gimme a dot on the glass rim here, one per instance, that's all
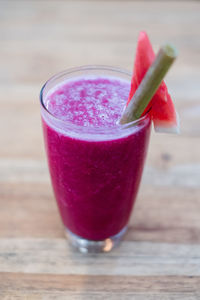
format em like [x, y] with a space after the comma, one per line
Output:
[100, 130]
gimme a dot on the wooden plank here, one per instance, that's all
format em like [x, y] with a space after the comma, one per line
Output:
[162, 212]
[164, 167]
[28, 210]
[31, 135]
[109, 42]
[94, 296]
[54, 256]
[35, 286]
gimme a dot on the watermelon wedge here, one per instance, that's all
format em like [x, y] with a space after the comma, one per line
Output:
[161, 107]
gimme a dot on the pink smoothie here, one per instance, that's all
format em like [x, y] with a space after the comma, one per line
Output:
[95, 164]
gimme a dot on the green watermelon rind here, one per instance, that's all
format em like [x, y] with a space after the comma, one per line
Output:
[165, 127]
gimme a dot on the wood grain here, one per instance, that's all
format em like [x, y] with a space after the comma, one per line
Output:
[160, 255]
[37, 286]
[54, 256]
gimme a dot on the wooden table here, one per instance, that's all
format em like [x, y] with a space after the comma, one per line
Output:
[160, 256]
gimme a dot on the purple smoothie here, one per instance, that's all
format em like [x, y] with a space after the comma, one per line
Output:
[95, 164]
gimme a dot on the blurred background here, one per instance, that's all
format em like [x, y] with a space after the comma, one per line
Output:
[41, 38]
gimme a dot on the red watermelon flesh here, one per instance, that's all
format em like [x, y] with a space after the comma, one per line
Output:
[162, 111]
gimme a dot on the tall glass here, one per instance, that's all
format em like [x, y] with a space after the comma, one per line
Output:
[95, 172]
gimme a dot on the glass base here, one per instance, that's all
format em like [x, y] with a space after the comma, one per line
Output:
[89, 246]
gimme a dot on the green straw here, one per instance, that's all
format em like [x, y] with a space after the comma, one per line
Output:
[150, 83]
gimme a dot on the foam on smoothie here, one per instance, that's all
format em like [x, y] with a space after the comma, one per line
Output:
[89, 101]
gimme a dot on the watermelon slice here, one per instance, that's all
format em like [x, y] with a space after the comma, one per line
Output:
[161, 107]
